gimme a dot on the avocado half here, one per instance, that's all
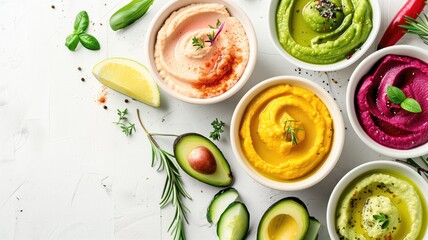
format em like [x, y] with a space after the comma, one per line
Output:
[286, 219]
[183, 147]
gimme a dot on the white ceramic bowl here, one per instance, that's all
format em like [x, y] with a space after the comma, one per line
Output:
[157, 23]
[362, 69]
[338, 136]
[342, 185]
[273, 5]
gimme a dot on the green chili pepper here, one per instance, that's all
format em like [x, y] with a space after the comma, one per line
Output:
[129, 13]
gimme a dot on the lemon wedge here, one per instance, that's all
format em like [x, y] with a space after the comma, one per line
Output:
[128, 77]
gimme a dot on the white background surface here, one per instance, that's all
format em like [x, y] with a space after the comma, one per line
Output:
[67, 172]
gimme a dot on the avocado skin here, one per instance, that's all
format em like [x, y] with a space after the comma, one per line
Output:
[223, 168]
[295, 199]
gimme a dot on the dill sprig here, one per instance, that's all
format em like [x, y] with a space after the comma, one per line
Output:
[173, 191]
[290, 131]
[420, 28]
[123, 122]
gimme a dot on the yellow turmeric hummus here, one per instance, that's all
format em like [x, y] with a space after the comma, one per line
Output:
[286, 132]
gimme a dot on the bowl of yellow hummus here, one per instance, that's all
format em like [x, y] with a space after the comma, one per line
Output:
[387, 102]
[201, 51]
[379, 200]
[323, 35]
[287, 133]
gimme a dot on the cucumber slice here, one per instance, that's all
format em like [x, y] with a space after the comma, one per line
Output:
[286, 219]
[220, 202]
[313, 229]
[234, 222]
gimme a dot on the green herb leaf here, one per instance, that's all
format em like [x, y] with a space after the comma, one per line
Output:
[420, 27]
[395, 94]
[127, 127]
[217, 25]
[218, 129]
[71, 41]
[89, 41]
[383, 219]
[211, 36]
[81, 22]
[411, 105]
[173, 192]
[290, 131]
[199, 43]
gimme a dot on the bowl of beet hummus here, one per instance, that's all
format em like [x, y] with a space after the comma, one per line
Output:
[387, 101]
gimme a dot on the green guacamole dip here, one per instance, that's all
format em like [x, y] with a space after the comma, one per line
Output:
[323, 31]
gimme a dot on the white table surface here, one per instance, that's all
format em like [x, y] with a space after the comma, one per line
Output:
[67, 172]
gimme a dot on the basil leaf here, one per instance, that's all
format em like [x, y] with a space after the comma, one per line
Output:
[411, 105]
[89, 41]
[81, 23]
[71, 41]
[395, 94]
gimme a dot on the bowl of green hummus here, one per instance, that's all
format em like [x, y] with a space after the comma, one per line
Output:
[379, 200]
[323, 35]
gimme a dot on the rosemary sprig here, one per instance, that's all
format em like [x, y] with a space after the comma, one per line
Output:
[218, 129]
[173, 191]
[383, 219]
[123, 122]
[419, 169]
[420, 28]
[290, 131]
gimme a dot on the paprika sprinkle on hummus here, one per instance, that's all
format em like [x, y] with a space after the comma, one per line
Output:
[201, 51]
[286, 132]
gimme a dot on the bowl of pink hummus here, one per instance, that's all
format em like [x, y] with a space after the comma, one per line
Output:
[201, 51]
[387, 101]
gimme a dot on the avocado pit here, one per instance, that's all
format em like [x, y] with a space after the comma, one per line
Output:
[202, 160]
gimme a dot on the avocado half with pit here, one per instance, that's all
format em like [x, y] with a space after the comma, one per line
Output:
[202, 159]
[286, 219]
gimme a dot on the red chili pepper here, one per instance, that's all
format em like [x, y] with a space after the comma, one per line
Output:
[393, 33]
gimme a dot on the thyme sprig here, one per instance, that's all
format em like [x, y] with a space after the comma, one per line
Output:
[290, 131]
[420, 27]
[173, 191]
[123, 122]
[383, 219]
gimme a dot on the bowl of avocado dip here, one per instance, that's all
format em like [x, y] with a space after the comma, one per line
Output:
[323, 35]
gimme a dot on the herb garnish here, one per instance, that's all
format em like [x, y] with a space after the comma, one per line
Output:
[383, 219]
[123, 122]
[199, 43]
[417, 27]
[290, 131]
[218, 129]
[419, 169]
[217, 25]
[81, 23]
[397, 96]
[173, 190]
